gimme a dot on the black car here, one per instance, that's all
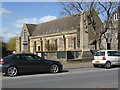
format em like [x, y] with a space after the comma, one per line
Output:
[15, 64]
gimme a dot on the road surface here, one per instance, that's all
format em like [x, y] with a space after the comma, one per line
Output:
[73, 78]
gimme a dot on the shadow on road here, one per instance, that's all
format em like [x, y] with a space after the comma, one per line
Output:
[114, 66]
[36, 73]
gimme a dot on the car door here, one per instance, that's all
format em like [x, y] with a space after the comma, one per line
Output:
[113, 57]
[41, 64]
[20, 62]
[118, 54]
[35, 64]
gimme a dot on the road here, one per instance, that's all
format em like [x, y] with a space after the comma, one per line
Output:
[74, 78]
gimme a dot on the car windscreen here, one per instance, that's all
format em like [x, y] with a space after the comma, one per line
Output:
[113, 53]
[100, 54]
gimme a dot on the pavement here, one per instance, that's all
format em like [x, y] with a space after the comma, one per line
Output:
[75, 65]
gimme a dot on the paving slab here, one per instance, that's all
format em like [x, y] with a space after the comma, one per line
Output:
[75, 65]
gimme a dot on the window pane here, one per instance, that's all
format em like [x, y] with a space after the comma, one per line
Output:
[100, 54]
[37, 57]
[70, 42]
[29, 57]
[113, 53]
[61, 55]
[17, 57]
[116, 16]
[61, 43]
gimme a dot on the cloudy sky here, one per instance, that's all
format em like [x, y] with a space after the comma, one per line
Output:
[15, 14]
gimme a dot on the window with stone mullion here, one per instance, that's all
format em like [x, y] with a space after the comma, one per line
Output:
[70, 42]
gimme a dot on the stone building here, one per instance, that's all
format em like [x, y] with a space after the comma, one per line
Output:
[70, 37]
[111, 38]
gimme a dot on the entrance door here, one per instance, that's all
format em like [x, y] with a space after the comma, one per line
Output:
[108, 46]
[34, 47]
[25, 47]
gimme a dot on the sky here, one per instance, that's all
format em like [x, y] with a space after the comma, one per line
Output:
[15, 14]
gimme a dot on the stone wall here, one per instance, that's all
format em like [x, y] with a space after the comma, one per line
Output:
[45, 42]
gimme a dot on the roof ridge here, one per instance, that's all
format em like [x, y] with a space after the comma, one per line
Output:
[31, 24]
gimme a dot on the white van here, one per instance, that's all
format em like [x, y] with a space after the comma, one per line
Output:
[106, 58]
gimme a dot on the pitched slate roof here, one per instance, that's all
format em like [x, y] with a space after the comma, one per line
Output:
[65, 23]
[31, 28]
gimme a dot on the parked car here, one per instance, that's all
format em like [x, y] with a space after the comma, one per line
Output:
[15, 64]
[106, 58]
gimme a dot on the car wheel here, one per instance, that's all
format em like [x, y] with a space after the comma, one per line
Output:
[54, 68]
[12, 71]
[107, 65]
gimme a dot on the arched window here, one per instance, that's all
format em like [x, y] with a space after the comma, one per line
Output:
[70, 42]
[116, 16]
[61, 43]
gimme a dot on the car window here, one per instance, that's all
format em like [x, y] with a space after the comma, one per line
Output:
[100, 54]
[113, 53]
[8, 57]
[29, 57]
[37, 57]
[17, 57]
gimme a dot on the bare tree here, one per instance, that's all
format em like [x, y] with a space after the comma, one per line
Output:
[108, 8]
[103, 9]
[70, 8]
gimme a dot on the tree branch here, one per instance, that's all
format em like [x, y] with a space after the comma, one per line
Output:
[65, 8]
[80, 6]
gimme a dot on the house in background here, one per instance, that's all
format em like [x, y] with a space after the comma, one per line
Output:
[67, 38]
[111, 38]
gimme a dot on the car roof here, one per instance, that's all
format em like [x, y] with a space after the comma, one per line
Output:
[24, 53]
[11, 55]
